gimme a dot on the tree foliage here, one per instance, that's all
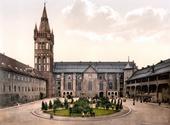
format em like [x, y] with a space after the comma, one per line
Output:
[50, 104]
[82, 105]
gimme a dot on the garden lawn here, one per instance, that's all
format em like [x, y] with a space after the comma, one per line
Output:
[98, 112]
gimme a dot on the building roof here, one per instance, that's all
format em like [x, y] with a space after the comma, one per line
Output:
[12, 65]
[100, 67]
[159, 68]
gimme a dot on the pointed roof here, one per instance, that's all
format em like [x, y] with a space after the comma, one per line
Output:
[90, 69]
[44, 12]
[44, 25]
[128, 66]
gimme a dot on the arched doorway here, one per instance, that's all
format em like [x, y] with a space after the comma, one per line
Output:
[101, 94]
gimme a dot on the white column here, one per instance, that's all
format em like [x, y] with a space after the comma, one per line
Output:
[74, 84]
[62, 83]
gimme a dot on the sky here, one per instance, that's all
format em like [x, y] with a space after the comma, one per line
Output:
[89, 30]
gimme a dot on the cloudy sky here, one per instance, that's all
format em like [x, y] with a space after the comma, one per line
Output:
[89, 30]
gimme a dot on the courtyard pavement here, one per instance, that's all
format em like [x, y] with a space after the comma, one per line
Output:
[142, 114]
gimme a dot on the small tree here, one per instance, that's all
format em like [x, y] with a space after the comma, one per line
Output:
[121, 106]
[66, 103]
[50, 105]
[42, 105]
[46, 106]
[114, 102]
[57, 104]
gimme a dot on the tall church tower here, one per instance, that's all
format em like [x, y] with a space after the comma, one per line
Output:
[43, 51]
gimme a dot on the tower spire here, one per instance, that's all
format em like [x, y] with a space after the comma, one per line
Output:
[128, 59]
[44, 25]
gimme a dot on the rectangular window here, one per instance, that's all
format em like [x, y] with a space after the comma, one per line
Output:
[110, 85]
[9, 75]
[9, 88]
[90, 86]
[3, 88]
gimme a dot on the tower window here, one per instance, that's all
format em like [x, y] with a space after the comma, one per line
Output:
[36, 45]
[48, 59]
[47, 46]
[44, 60]
[35, 59]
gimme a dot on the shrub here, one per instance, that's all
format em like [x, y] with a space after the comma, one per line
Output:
[82, 105]
[45, 106]
[42, 105]
[66, 103]
[50, 105]
[57, 104]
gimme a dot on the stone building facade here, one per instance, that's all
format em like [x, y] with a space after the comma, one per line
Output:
[90, 78]
[151, 82]
[19, 83]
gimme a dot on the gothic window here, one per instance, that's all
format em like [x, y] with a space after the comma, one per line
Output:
[48, 68]
[44, 60]
[40, 46]
[44, 67]
[70, 86]
[101, 86]
[15, 88]
[47, 45]
[90, 86]
[35, 60]
[36, 45]
[9, 88]
[48, 59]
[110, 85]
[39, 60]
[43, 46]
[3, 88]
[19, 88]
[39, 67]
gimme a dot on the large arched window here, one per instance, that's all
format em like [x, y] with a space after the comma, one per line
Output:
[90, 86]
[79, 85]
[101, 86]
[70, 86]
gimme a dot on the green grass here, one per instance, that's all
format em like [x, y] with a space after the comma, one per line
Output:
[98, 112]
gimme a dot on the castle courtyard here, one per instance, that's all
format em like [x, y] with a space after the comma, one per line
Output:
[141, 114]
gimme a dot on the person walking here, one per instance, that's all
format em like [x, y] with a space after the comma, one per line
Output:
[51, 115]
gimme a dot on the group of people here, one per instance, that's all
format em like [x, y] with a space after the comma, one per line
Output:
[91, 114]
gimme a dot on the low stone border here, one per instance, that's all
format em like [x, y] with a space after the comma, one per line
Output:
[124, 112]
[24, 104]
